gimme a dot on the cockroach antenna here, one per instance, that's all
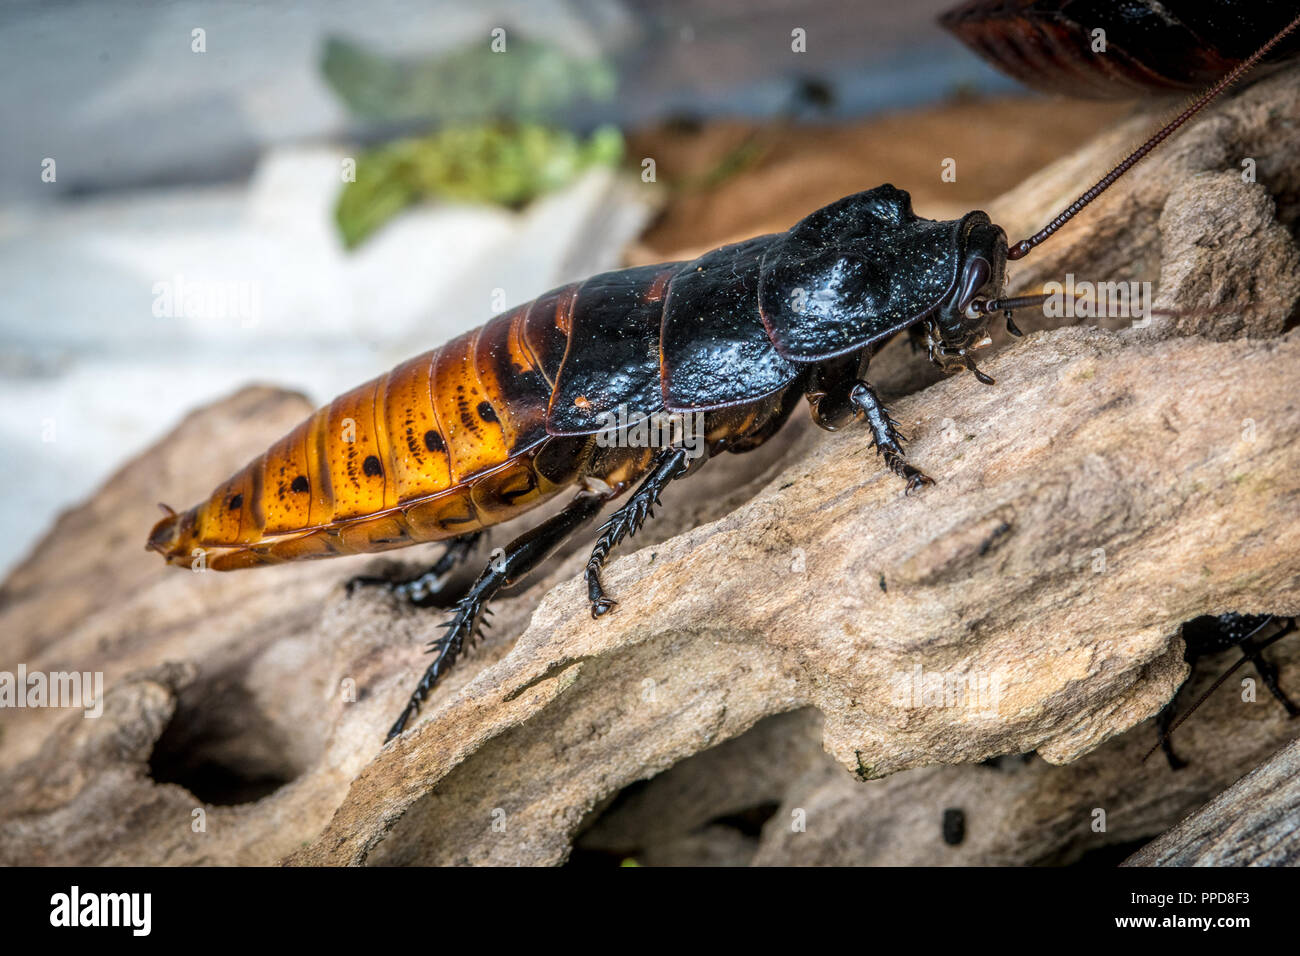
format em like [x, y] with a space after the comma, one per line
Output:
[1006, 307]
[1022, 248]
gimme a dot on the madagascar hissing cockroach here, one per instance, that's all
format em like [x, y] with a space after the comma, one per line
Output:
[1208, 635]
[551, 394]
[1115, 49]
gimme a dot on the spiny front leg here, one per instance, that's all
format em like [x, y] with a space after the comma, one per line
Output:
[885, 432]
[669, 464]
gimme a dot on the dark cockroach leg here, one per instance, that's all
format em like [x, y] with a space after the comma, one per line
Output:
[426, 588]
[885, 432]
[835, 393]
[828, 390]
[1209, 635]
[520, 557]
[1268, 670]
[1165, 720]
[669, 464]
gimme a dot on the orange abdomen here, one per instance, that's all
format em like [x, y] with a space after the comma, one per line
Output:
[446, 443]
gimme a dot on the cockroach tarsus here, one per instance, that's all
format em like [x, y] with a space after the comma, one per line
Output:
[425, 588]
[507, 416]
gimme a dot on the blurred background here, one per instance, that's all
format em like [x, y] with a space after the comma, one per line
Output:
[196, 196]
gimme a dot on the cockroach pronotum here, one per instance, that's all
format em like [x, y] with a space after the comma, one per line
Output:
[1120, 48]
[506, 416]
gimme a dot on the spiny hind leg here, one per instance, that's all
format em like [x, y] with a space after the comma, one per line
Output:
[519, 557]
[889, 442]
[427, 588]
[669, 464]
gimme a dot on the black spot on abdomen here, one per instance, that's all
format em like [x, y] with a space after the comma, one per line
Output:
[299, 484]
[433, 441]
[236, 502]
[487, 412]
[372, 467]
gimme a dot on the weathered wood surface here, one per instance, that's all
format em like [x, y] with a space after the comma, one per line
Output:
[1111, 486]
[1255, 822]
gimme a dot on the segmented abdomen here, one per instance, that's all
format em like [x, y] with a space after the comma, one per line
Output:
[1120, 48]
[444, 444]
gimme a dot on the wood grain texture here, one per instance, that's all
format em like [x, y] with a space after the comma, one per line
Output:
[1255, 822]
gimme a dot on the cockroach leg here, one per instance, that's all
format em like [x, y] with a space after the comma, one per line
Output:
[1205, 636]
[828, 390]
[521, 556]
[1268, 671]
[428, 587]
[1164, 720]
[669, 464]
[885, 432]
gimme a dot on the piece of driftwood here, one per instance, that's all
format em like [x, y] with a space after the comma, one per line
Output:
[1113, 485]
[1255, 822]
[772, 796]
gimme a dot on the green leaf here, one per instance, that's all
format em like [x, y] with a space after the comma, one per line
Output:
[504, 164]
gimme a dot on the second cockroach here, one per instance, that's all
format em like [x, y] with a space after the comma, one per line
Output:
[543, 398]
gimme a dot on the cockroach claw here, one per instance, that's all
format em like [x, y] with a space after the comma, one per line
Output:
[916, 479]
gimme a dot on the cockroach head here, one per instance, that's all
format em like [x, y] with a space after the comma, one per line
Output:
[960, 323]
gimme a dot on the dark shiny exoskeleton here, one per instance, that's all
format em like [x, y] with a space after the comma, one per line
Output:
[734, 339]
[1150, 46]
[1206, 636]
